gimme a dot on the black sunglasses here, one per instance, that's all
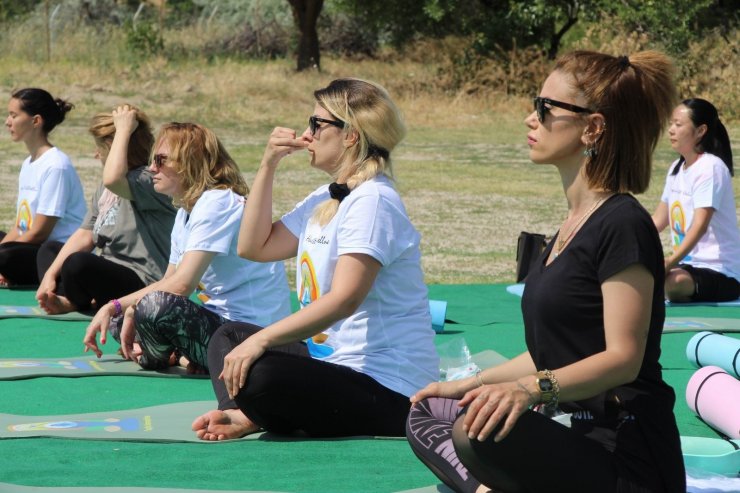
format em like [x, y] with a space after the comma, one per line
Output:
[541, 109]
[313, 123]
[160, 160]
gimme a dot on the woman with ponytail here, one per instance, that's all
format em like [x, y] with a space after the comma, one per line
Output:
[362, 342]
[51, 203]
[698, 204]
[593, 311]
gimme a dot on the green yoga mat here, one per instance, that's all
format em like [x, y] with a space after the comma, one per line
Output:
[165, 423]
[694, 324]
[10, 311]
[14, 488]
[85, 366]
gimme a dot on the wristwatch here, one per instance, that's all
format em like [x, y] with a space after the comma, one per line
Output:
[546, 387]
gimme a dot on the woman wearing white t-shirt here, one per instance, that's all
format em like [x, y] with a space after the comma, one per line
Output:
[51, 203]
[364, 310]
[698, 204]
[160, 322]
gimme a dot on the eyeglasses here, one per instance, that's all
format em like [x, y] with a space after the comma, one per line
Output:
[542, 110]
[160, 160]
[313, 123]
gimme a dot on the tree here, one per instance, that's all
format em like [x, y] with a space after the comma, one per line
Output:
[305, 15]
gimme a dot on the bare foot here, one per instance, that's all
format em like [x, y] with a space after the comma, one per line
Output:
[192, 368]
[55, 304]
[223, 425]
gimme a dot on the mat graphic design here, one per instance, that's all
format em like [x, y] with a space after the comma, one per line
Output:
[699, 324]
[11, 311]
[86, 366]
[164, 423]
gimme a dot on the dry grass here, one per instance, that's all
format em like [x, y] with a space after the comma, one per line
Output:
[463, 170]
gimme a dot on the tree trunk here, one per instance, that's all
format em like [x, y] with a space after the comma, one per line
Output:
[306, 14]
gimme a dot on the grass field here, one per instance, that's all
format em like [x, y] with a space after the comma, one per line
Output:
[463, 169]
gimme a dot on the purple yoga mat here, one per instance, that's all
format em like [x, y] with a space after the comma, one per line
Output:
[714, 395]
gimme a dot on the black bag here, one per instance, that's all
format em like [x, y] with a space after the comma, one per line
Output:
[529, 246]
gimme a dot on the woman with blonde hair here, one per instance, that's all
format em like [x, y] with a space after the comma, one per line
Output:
[593, 311]
[191, 165]
[128, 222]
[364, 310]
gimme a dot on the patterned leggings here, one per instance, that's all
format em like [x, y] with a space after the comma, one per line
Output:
[166, 322]
[537, 455]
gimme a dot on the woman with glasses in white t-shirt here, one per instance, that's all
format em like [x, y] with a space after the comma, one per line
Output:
[362, 343]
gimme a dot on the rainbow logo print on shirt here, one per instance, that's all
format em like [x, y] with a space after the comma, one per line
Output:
[24, 218]
[678, 224]
[308, 292]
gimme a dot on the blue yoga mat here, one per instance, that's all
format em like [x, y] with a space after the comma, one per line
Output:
[438, 310]
[710, 349]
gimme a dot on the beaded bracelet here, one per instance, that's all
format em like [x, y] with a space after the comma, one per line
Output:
[117, 306]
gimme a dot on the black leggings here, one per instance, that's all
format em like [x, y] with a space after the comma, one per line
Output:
[288, 391]
[537, 455]
[18, 262]
[86, 276]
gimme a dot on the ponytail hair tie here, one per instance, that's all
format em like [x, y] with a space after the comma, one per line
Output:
[338, 191]
[624, 62]
[375, 151]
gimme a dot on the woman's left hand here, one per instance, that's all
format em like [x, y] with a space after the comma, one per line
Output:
[237, 364]
[491, 404]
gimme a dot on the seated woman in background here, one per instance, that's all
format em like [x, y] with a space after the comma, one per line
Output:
[128, 221]
[698, 203]
[51, 203]
[364, 308]
[191, 165]
[593, 311]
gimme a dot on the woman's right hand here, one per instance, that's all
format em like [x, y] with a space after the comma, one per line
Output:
[455, 389]
[283, 141]
[124, 119]
[99, 323]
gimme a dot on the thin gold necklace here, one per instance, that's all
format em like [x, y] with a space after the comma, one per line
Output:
[564, 239]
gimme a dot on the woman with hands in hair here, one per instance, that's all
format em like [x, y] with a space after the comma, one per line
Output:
[128, 221]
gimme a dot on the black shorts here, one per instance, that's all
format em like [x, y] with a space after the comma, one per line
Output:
[710, 285]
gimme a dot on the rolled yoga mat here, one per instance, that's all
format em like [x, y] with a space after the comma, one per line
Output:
[10, 311]
[733, 303]
[712, 454]
[708, 348]
[714, 395]
[85, 366]
[165, 423]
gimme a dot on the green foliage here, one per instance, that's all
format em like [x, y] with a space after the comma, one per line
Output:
[143, 38]
[11, 9]
[672, 23]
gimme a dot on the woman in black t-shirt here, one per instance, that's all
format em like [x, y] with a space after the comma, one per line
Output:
[593, 311]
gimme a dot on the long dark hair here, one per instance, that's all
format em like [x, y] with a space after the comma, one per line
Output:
[715, 140]
[36, 101]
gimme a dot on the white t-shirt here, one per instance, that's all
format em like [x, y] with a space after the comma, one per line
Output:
[50, 186]
[235, 288]
[706, 183]
[390, 336]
